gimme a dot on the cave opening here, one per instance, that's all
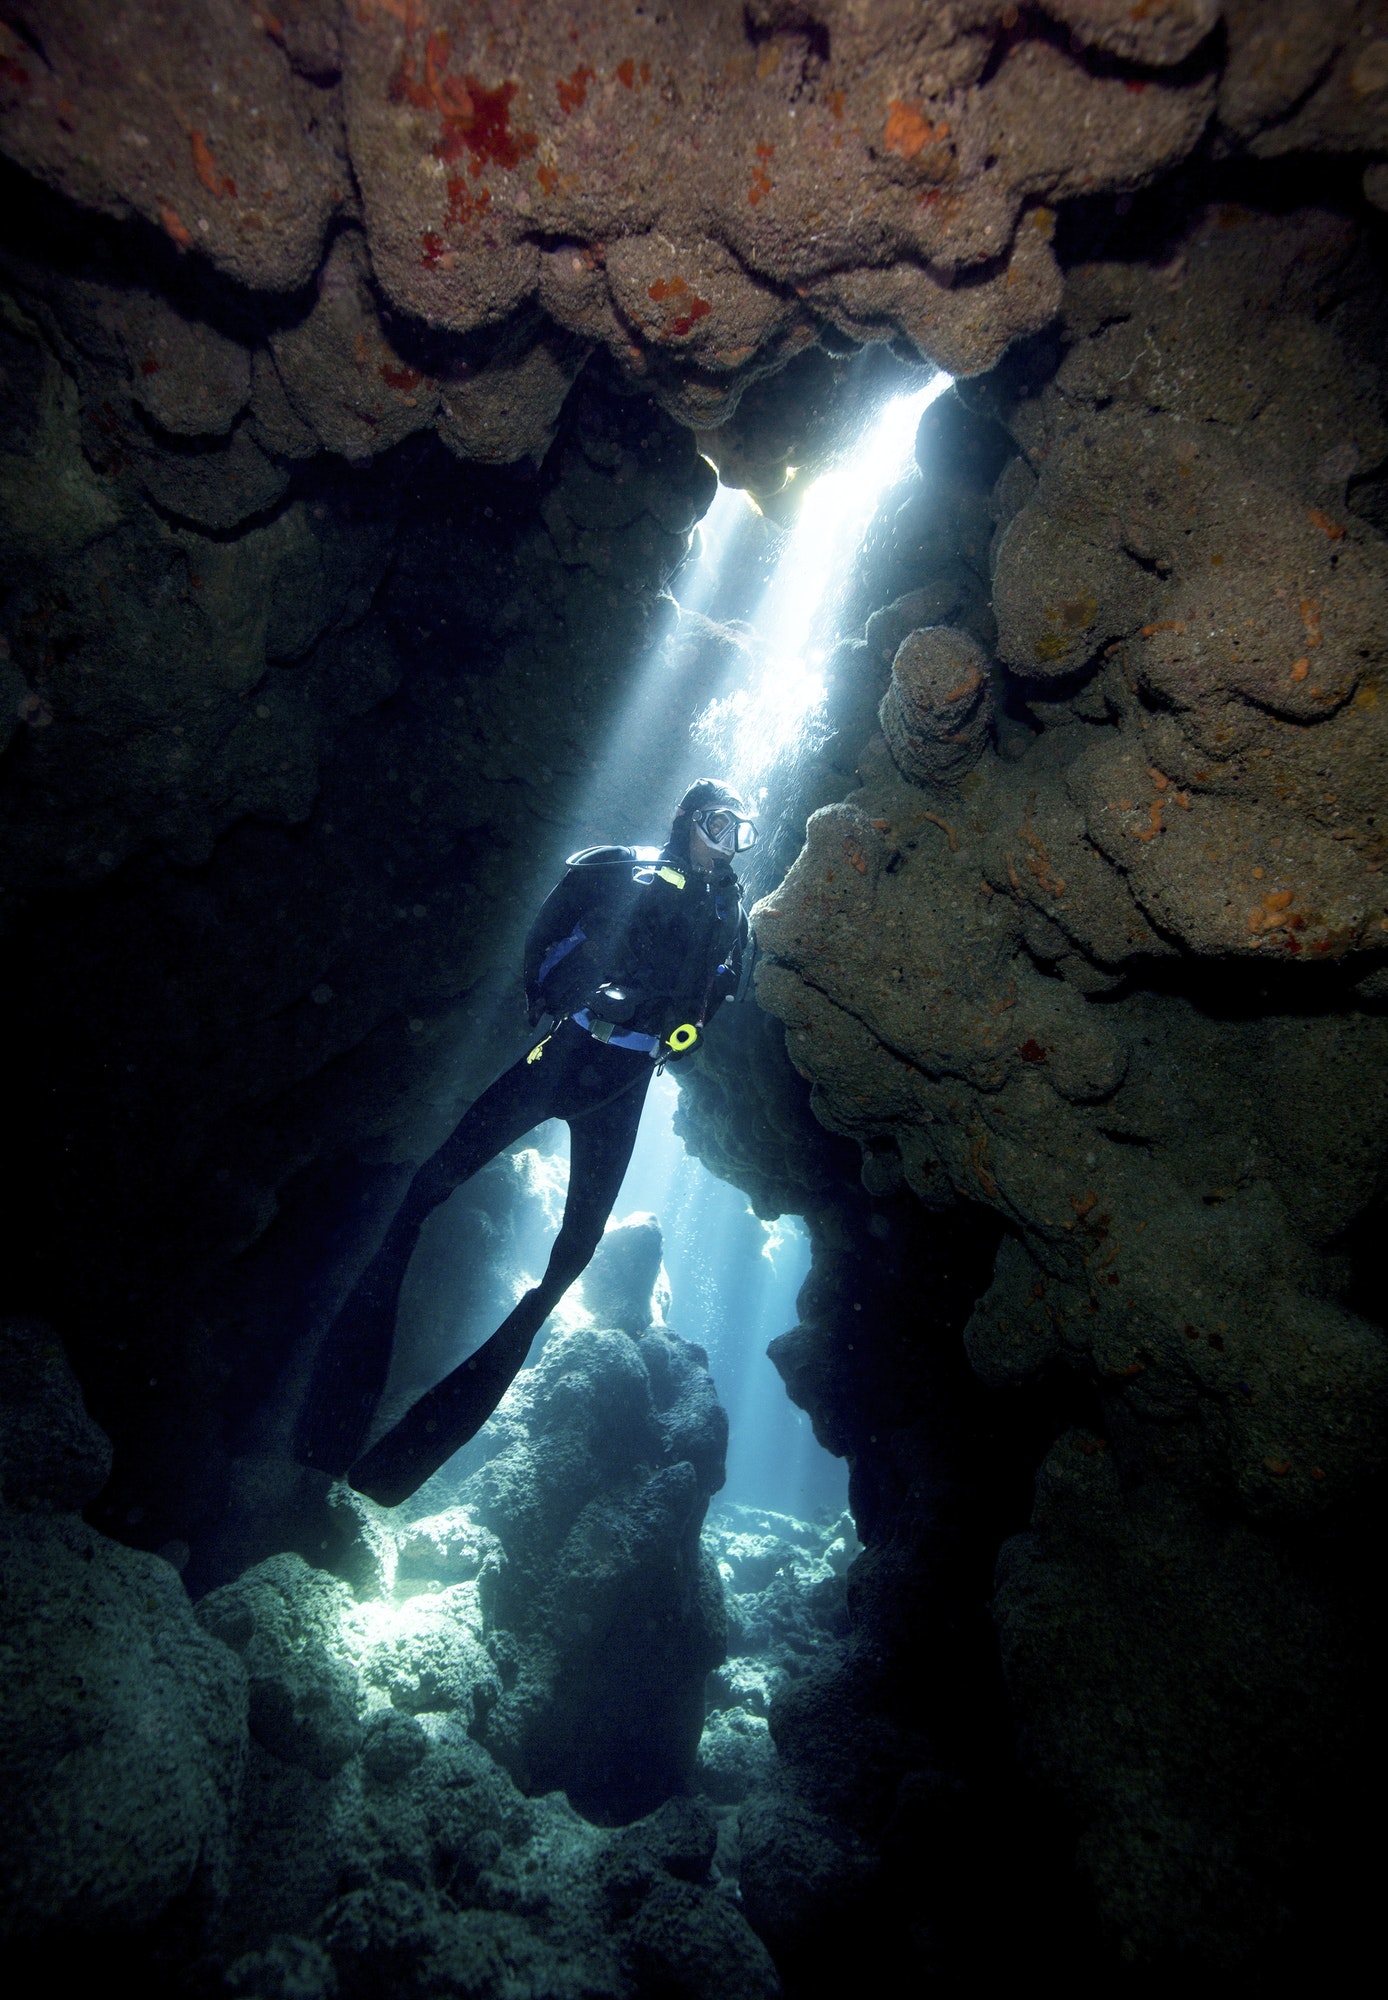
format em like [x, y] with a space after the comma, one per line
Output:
[767, 608]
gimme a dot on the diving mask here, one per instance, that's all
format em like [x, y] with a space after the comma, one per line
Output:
[724, 830]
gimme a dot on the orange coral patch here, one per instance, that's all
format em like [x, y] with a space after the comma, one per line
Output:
[175, 226]
[908, 131]
[464, 207]
[475, 119]
[205, 166]
[573, 90]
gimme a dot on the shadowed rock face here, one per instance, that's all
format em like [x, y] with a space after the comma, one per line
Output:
[123, 1723]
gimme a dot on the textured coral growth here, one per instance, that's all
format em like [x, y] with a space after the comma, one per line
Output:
[573, 90]
[475, 119]
[208, 172]
[692, 312]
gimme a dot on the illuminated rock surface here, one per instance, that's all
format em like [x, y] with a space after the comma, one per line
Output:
[1003, 984]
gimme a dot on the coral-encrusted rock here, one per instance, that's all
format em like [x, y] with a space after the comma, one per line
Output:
[122, 1723]
[124, 1733]
[494, 161]
[619, 1285]
[192, 379]
[132, 114]
[609, 1614]
[506, 405]
[431, 1873]
[217, 489]
[1188, 570]
[937, 713]
[792, 167]
[1163, 34]
[285, 1620]
[802, 1878]
[446, 1548]
[340, 373]
[1193, 535]
[736, 1755]
[427, 1655]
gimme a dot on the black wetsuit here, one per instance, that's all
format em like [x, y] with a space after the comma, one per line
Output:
[670, 941]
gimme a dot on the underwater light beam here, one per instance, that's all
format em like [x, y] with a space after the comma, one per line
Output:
[755, 727]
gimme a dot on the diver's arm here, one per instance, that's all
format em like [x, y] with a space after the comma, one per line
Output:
[559, 917]
[729, 980]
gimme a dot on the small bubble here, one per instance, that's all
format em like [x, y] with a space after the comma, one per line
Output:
[321, 995]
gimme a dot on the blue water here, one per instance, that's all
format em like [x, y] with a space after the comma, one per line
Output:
[733, 1285]
[733, 1281]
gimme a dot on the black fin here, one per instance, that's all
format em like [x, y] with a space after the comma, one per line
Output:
[453, 1411]
[348, 1377]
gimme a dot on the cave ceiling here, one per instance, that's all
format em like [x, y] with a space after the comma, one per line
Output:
[482, 195]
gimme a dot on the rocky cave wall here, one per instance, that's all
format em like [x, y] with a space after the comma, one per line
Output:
[1097, 946]
[355, 360]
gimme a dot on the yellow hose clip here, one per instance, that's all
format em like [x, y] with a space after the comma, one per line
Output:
[680, 1040]
[539, 1049]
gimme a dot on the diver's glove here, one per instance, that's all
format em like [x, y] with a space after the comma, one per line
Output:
[681, 1041]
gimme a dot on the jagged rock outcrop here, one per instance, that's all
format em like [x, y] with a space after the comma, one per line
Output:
[609, 1618]
[783, 1584]
[432, 1869]
[936, 716]
[123, 1724]
[619, 1285]
[1030, 990]
[377, 1840]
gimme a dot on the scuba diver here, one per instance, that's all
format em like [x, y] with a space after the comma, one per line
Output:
[629, 956]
